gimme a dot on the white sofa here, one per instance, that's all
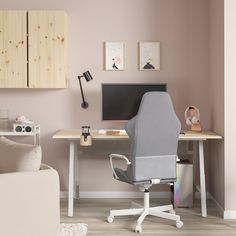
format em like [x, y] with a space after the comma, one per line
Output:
[29, 203]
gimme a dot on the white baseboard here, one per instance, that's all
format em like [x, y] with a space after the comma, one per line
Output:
[108, 194]
[229, 215]
[217, 204]
[116, 195]
[122, 195]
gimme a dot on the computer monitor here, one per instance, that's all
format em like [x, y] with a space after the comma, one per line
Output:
[121, 101]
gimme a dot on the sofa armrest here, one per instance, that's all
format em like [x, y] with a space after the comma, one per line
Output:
[29, 203]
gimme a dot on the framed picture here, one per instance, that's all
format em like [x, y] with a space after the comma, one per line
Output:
[149, 56]
[114, 56]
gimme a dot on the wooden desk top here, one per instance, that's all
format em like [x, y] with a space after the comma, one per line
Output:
[74, 134]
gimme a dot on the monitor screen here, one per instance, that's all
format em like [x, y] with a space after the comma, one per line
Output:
[121, 101]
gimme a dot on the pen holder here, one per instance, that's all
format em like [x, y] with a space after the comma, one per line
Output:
[85, 140]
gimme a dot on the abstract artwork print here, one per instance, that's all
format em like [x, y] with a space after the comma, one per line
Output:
[149, 56]
[114, 56]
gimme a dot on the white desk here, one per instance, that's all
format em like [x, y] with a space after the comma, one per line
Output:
[73, 135]
[35, 135]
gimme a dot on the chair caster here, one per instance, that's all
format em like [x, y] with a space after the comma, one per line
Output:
[179, 224]
[110, 219]
[172, 212]
[138, 229]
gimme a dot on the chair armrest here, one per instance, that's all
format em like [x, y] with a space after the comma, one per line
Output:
[119, 156]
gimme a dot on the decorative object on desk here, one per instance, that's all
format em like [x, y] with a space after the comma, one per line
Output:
[4, 119]
[115, 132]
[88, 77]
[24, 120]
[149, 56]
[85, 138]
[114, 56]
[193, 119]
[102, 131]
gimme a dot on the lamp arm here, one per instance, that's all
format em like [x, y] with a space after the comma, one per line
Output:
[84, 104]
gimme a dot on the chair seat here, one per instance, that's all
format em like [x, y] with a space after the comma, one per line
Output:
[123, 177]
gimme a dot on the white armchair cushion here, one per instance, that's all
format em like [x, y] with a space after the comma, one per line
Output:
[29, 203]
[16, 157]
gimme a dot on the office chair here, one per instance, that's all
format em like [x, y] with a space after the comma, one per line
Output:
[153, 133]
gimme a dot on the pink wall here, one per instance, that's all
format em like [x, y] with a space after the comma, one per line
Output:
[216, 77]
[180, 25]
[216, 63]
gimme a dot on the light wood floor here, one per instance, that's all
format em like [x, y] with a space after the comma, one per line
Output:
[94, 212]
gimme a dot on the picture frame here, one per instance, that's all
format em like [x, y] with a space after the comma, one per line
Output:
[114, 56]
[149, 55]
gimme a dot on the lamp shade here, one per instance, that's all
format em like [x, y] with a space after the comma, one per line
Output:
[87, 76]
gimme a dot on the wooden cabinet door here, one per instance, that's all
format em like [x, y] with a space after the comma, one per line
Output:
[47, 40]
[13, 49]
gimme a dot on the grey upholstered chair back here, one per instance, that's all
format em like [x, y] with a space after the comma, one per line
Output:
[154, 133]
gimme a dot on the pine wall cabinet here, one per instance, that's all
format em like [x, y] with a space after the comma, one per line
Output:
[13, 49]
[33, 49]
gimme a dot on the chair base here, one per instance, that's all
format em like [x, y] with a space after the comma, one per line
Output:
[166, 212]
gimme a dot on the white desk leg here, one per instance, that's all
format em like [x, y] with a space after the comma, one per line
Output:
[195, 165]
[76, 178]
[35, 139]
[38, 138]
[71, 179]
[202, 179]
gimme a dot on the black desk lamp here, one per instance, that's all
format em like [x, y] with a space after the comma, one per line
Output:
[88, 77]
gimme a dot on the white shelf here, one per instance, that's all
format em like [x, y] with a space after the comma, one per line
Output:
[35, 135]
[12, 133]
